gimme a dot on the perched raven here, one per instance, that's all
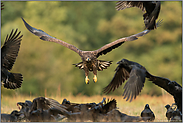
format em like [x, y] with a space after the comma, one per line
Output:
[169, 112]
[148, 113]
[13, 117]
[177, 116]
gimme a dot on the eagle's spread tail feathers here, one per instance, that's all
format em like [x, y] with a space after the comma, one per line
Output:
[101, 65]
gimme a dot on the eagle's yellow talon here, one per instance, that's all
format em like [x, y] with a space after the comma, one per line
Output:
[95, 78]
[87, 80]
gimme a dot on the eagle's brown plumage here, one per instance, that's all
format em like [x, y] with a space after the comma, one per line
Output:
[89, 58]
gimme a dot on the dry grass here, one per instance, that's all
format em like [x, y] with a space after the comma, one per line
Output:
[131, 108]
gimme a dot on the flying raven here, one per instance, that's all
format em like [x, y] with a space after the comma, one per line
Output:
[136, 74]
[9, 53]
[152, 10]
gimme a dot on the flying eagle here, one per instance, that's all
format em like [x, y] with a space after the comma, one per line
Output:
[89, 58]
[136, 74]
[9, 53]
[152, 10]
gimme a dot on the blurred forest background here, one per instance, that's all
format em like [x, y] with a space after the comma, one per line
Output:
[47, 67]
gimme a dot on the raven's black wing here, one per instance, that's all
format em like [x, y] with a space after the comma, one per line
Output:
[10, 49]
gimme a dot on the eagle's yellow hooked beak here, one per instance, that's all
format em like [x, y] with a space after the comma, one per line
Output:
[88, 59]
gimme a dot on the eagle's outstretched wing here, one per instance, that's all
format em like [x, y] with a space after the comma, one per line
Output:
[44, 36]
[109, 47]
[10, 49]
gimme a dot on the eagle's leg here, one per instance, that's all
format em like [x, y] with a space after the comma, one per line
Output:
[86, 74]
[87, 80]
[95, 74]
[95, 78]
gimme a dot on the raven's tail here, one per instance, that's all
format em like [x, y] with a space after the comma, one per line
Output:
[14, 81]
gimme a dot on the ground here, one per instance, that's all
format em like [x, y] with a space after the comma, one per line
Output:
[157, 104]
